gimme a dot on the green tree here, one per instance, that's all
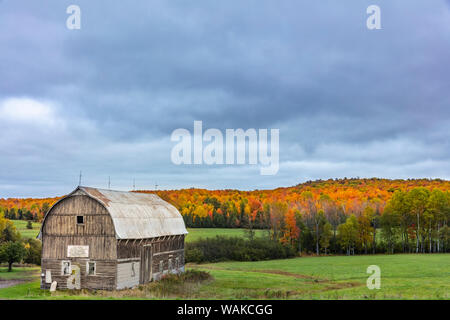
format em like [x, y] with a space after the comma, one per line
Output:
[326, 235]
[277, 212]
[44, 209]
[8, 231]
[348, 234]
[436, 216]
[375, 220]
[444, 237]
[389, 223]
[398, 206]
[417, 200]
[11, 252]
[302, 227]
[365, 229]
[12, 214]
[33, 251]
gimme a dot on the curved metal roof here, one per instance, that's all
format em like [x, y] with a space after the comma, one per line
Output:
[137, 215]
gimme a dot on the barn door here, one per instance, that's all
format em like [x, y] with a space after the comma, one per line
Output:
[146, 263]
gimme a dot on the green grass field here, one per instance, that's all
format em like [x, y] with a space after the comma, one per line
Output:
[338, 277]
[198, 233]
[21, 273]
[21, 226]
[403, 276]
[194, 233]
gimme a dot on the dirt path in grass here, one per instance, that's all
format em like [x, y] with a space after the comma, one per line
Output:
[9, 283]
[333, 285]
[270, 271]
[329, 284]
[18, 277]
[291, 274]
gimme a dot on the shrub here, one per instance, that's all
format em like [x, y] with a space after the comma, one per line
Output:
[223, 248]
[180, 285]
[194, 255]
[33, 251]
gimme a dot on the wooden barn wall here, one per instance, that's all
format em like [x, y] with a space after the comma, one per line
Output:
[127, 249]
[104, 278]
[128, 273]
[162, 260]
[163, 249]
[61, 229]
[100, 248]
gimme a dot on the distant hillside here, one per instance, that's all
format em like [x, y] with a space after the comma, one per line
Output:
[351, 195]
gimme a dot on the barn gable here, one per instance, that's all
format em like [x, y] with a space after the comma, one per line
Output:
[136, 215]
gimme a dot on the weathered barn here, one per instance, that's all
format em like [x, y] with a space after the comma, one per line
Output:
[104, 239]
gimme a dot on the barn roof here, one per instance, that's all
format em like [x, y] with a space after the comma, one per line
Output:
[137, 215]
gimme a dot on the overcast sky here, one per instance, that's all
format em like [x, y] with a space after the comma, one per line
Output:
[105, 99]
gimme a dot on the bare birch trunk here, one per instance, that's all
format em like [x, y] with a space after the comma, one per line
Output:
[417, 233]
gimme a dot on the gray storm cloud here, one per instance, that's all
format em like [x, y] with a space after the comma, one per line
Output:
[104, 99]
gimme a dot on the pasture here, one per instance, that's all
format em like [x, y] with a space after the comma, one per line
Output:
[403, 276]
[21, 226]
[199, 233]
[194, 233]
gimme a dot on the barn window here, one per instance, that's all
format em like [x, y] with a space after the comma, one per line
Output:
[91, 268]
[66, 268]
[133, 271]
[161, 266]
[80, 219]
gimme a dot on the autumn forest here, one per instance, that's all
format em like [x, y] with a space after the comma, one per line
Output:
[341, 216]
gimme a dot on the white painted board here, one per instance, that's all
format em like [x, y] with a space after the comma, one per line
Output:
[78, 251]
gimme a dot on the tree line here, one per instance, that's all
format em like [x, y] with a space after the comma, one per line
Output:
[342, 216]
[411, 221]
[35, 213]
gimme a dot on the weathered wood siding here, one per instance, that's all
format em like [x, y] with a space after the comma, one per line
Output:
[127, 249]
[163, 260]
[104, 278]
[166, 253]
[128, 273]
[164, 249]
[61, 230]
